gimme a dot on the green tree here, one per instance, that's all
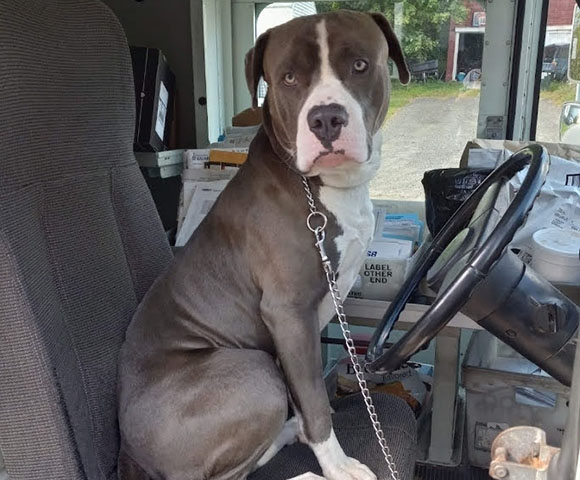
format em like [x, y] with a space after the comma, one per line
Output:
[424, 23]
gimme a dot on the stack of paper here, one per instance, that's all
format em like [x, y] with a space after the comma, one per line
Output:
[201, 188]
[206, 172]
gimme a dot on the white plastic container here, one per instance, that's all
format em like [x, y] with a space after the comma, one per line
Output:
[556, 255]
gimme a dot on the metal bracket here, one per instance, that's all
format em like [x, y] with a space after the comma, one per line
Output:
[521, 453]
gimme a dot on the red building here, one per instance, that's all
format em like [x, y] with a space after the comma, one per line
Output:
[465, 46]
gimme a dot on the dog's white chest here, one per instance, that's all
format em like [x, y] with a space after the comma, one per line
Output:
[353, 210]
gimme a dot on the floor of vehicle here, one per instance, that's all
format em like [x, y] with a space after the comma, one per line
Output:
[432, 472]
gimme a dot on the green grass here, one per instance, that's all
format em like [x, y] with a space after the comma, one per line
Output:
[559, 92]
[401, 95]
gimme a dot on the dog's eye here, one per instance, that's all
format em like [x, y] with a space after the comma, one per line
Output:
[360, 66]
[289, 79]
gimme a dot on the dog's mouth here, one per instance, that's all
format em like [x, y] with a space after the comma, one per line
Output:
[330, 158]
[333, 158]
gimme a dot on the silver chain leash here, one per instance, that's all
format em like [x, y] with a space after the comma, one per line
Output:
[320, 235]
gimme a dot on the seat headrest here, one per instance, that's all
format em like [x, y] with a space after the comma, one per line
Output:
[66, 91]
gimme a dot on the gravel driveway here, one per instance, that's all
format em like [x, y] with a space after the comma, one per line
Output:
[431, 133]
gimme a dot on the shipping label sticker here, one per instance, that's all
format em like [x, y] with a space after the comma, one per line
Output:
[564, 217]
[161, 111]
[377, 272]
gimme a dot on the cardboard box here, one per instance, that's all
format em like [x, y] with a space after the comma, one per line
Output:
[227, 157]
[569, 152]
[154, 96]
[248, 118]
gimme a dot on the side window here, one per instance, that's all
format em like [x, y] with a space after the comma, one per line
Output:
[555, 88]
[274, 14]
[431, 120]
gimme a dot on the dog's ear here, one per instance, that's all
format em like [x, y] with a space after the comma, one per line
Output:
[395, 50]
[254, 66]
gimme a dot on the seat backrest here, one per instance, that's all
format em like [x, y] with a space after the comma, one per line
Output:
[80, 239]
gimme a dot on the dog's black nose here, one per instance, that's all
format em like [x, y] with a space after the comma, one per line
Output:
[326, 121]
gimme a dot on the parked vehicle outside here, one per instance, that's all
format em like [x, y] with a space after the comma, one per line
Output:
[555, 63]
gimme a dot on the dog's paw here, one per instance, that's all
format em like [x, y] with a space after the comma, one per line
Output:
[290, 434]
[348, 469]
[336, 465]
[292, 431]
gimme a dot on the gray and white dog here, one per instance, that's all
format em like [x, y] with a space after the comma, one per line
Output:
[229, 336]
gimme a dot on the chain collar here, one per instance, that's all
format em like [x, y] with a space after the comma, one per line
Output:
[316, 223]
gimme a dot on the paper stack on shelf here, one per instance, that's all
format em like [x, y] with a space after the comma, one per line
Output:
[397, 236]
[198, 198]
[206, 172]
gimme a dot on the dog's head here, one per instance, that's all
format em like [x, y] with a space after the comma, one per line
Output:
[328, 90]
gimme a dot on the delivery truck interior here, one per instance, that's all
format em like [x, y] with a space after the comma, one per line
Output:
[467, 304]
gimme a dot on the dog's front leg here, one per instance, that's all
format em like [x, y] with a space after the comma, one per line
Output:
[296, 337]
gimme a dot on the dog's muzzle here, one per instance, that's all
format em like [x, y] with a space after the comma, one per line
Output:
[326, 122]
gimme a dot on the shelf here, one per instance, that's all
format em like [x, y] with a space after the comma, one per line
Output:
[370, 312]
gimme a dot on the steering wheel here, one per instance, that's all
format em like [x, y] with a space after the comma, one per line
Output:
[461, 257]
